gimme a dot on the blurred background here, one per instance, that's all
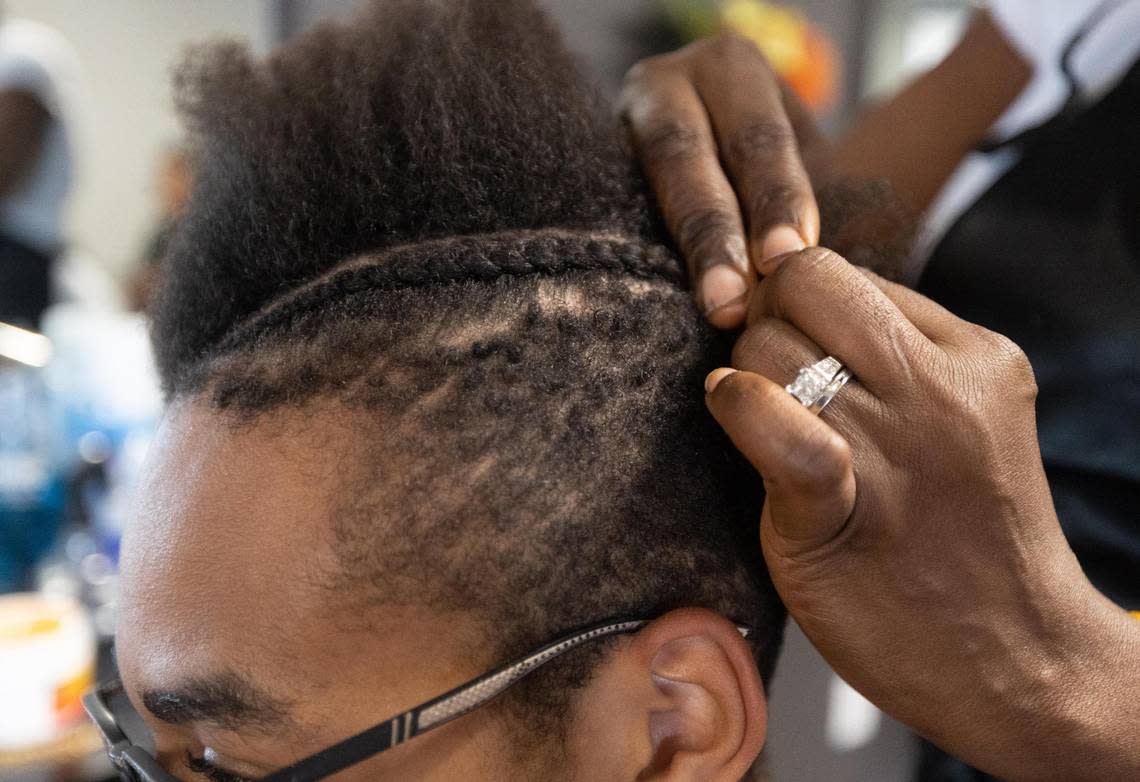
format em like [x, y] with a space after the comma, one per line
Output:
[78, 398]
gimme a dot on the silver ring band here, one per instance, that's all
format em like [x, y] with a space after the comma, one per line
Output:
[824, 399]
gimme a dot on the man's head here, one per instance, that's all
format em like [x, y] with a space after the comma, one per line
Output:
[435, 400]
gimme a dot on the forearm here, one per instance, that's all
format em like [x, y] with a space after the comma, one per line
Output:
[1098, 717]
[1073, 712]
[916, 139]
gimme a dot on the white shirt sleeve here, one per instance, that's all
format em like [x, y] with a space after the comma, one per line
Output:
[1040, 29]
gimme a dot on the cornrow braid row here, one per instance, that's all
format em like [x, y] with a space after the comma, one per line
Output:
[482, 257]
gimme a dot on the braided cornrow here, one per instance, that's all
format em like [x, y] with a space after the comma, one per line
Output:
[456, 259]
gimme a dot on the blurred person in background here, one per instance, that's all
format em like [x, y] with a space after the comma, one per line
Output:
[37, 67]
[1019, 154]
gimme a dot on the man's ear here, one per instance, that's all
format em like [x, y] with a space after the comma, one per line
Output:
[681, 700]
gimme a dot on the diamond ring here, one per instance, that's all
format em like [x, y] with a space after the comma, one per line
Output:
[816, 385]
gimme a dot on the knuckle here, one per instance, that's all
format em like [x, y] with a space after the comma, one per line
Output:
[770, 347]
[671, 141]
[640, 76]
[731, 45]
[704, 228]
[750, 344]
[1009, 364]
[1004, 349]
[649, 69]
[807, 265]
[754, 343]
[983, 387]
[635, 76]
[760, 136]
[646, 85]
[819, 259]
[737, 392]
[773, 202]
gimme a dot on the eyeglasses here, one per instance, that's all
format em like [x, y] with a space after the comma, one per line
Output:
[108, 707]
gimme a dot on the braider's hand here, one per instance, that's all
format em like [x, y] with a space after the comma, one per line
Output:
[724, 142]
[909, 528]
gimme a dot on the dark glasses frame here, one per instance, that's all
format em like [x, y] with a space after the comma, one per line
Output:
[136, 764]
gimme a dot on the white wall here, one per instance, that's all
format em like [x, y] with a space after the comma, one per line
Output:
[126, 49]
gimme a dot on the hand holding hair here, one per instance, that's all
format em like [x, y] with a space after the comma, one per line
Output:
[729, 167]
[910, 530]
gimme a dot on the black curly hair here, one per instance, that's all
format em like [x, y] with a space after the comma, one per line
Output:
[428, 217]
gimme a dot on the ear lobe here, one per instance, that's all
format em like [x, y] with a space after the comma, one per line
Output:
[709, 719]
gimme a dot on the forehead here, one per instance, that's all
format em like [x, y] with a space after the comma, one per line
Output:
[227, 567]
[226, 555]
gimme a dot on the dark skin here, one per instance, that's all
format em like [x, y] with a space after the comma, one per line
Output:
[23, 123]
[685, 119]
[914, 515]
[243, 652]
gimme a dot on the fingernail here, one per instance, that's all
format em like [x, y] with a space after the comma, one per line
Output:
[717, 375]
[779, 241]
[720, 286]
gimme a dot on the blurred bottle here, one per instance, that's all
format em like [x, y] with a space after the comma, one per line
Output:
[47, 662]
[31, 479]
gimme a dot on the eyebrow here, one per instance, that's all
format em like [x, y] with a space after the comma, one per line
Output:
[226, 699]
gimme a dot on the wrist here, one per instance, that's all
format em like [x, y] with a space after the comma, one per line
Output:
[1084, 698]
[1104, 703]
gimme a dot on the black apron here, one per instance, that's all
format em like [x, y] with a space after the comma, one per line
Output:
[1050, 257]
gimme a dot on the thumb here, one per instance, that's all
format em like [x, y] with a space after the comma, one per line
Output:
[806, 465]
